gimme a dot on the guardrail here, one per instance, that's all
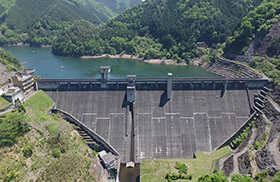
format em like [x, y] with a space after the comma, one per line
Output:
[154, 80]
[149, 84]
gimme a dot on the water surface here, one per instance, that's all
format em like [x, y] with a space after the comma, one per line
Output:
[47, 65]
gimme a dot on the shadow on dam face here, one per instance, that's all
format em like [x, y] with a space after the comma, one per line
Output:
[163, 99]
[191, 121]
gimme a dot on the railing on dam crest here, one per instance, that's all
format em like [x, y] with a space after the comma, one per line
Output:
[150, 84]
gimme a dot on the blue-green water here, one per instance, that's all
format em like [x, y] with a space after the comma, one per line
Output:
[48, 65]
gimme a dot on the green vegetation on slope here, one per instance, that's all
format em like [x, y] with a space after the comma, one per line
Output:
[8, 60]
[219, 176]
[199, 170]
[268, 66]
[38, 105]
[3, 103]
[37, 156]
[119, 6]
[98, 8]
[12, 126]
[5, 5]
[174, 27]
[256, 24]
[274, 48]
[38, 22]
[240, 139]
[253, 29]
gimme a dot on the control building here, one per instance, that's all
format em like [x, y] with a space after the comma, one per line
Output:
[24, 80]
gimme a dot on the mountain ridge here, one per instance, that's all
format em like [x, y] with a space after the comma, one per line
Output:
[175, 26]
[38, 22]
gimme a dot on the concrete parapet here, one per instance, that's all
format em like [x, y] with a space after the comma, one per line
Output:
[255, 84]
[150, 84]
[91, 133]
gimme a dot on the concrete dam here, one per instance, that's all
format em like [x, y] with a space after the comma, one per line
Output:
[158, 118]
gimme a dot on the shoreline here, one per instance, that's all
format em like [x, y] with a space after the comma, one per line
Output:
[127, 56]
[118, 56]
[27, 45]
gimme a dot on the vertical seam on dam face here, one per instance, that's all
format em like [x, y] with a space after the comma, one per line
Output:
[248, 97]
[132, 135]
[127, 134]
[130, 147]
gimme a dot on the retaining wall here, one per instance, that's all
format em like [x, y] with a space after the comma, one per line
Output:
[238, 132]
[91, 133]
[10, 106]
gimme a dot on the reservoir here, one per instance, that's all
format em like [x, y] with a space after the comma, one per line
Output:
[50, 66]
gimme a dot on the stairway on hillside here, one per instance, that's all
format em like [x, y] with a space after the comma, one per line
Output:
[88, 140]
[260, 99]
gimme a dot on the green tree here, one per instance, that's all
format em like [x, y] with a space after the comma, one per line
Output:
[9, 33]
[240, 178]
[3, 40]
[216, 177]
[3, 28]
[276, 177]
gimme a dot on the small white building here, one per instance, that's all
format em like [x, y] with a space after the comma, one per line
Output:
[13, 93]
[108, 160]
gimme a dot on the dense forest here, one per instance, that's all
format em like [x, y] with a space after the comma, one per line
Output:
[168, 29]
[38, 22]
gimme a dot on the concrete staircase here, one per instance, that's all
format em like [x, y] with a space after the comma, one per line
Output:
[260, 99]
[88, 140]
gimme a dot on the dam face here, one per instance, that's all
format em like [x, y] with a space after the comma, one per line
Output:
[193, 120]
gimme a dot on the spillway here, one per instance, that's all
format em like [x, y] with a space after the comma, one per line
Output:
[193, 120]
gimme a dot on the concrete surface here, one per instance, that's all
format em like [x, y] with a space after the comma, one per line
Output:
[191, 121]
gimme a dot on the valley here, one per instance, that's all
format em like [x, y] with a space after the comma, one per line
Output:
[216, 118]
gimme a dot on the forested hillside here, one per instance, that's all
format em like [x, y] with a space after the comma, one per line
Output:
[35, 146]
[255, 25]
[119, 6]
[174, 26]
[256, 41]
[37, 22]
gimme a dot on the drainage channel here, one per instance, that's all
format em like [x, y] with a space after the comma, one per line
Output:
[130, 171]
